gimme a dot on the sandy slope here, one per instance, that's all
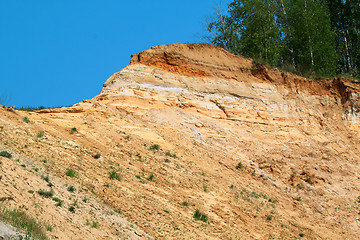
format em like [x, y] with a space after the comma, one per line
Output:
[208, 110]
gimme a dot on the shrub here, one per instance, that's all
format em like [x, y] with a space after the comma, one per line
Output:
[45, 178]
[97, 156]
[239, 166]
[154, 147]
[26, 120]
[58, 201]
[95, 224]
[200, 216]
[269, 217]
[73, 130]
[72, 209]
[71, 172]
[46, 194]
[20, 219]
[40, 134]
[151, 177]
[5, 154]
[114, 175]
[170, 155]
[71, 189]
[185, 203]
[301, 235]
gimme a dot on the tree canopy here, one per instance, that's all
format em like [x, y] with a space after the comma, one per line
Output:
[312, 36]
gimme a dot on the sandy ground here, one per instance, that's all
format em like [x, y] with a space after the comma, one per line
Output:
[262, 153]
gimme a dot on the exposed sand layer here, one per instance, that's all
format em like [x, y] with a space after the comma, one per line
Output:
[206, 110]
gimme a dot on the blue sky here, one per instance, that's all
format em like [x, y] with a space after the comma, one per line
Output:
[59, 52]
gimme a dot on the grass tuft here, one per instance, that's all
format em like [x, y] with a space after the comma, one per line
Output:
[71, 172]
[26, 120]
[5, 154]
[114, 175]
[154, 147]
[200, 216]
[47, 194]
[21, 220]
[73, 130]
[239, 166]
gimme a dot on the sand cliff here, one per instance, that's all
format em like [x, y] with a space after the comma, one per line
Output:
[207, 110]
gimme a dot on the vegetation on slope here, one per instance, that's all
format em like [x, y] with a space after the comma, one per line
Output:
[310, 37]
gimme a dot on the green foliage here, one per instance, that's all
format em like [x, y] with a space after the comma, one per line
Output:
[73, 130]
[200, 216]
[26, 120]
[269, 217]
[154, 147]
[45, 178]
[71, 172]
[114, 175]
[170, 154]
[31, 109]
[21, 220]
[151, 177]
[239, 166]
[58, 201]
[72, 209]
[5, 154]
[301, 235]
[185, 203]
[97, 156]
[47, 194]
[71, 189]
[40, 134]
[95, 224]
[312, 38]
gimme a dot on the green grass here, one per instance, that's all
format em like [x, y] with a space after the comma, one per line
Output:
[154, 147]
[58, 201]
[71, 189]
[200, 216]
[114, 175]
[21, 220]
[40, 134]
[71, 172]
[31, 109]
[95, 224]
[185, 203]
[45, 178]
[151, 177]
[239, 166]
[26, 120]
[73, 130]
[170, 155]
[47, 194]
[5, 154]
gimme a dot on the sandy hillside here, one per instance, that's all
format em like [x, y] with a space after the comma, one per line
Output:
[261, 153]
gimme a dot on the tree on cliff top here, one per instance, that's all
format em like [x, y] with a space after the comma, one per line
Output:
[311, 36]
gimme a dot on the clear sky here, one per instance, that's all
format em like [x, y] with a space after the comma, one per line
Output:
[59, 52]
